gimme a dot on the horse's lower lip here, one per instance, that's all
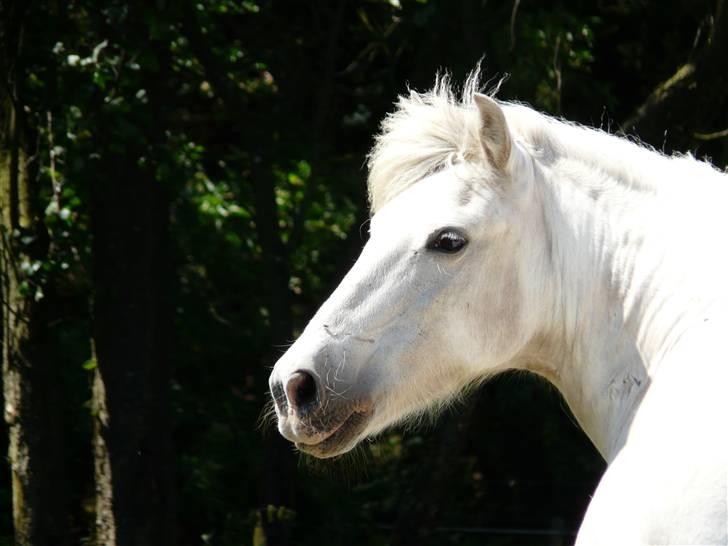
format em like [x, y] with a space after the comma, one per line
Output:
[341, 439]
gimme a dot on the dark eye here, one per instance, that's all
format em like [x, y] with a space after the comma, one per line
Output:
[448, 240]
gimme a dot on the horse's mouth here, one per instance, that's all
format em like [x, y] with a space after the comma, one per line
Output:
[341, 439]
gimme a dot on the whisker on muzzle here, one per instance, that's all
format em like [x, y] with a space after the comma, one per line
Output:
[267, 418]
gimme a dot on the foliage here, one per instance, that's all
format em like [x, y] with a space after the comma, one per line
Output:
[286, 96]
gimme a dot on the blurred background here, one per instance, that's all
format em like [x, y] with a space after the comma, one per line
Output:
[182, 184]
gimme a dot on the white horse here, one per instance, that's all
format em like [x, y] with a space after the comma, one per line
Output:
[505, 239]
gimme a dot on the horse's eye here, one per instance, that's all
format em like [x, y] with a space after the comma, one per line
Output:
[448, 240]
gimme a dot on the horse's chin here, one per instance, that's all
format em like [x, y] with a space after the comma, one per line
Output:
[342, 439]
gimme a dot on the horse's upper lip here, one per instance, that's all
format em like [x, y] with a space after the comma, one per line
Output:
[341, 438]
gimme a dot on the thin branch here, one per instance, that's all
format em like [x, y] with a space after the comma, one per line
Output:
[514, 12]
[660, 94]
[711, 136]
[55, 184]
[557, 72]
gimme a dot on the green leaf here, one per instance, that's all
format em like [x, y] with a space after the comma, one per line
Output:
[90, 364]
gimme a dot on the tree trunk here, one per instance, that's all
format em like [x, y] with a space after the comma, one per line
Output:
[132, 312]
[278, 474]
[131, 337]
[35, 454]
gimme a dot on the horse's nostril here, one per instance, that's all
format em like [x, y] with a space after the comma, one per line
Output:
[301, 389]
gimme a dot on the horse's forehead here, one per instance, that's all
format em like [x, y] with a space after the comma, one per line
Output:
[438, 197]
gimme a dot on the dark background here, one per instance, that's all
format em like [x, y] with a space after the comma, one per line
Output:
[183, 184]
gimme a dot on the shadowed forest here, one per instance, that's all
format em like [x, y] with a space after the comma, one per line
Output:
[181, 186]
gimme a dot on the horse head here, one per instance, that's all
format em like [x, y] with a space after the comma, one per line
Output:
[441, 295]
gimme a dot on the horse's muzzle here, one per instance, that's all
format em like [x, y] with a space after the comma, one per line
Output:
[319, 421]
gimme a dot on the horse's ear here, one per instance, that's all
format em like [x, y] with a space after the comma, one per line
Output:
[495, 137]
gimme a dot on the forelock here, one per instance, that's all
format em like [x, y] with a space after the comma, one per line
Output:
[425, 132]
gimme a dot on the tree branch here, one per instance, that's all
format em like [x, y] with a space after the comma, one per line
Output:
[692, 100]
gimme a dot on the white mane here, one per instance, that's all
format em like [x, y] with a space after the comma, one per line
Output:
[428, 131]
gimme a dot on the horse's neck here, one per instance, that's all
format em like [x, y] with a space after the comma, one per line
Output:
[620, 300]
